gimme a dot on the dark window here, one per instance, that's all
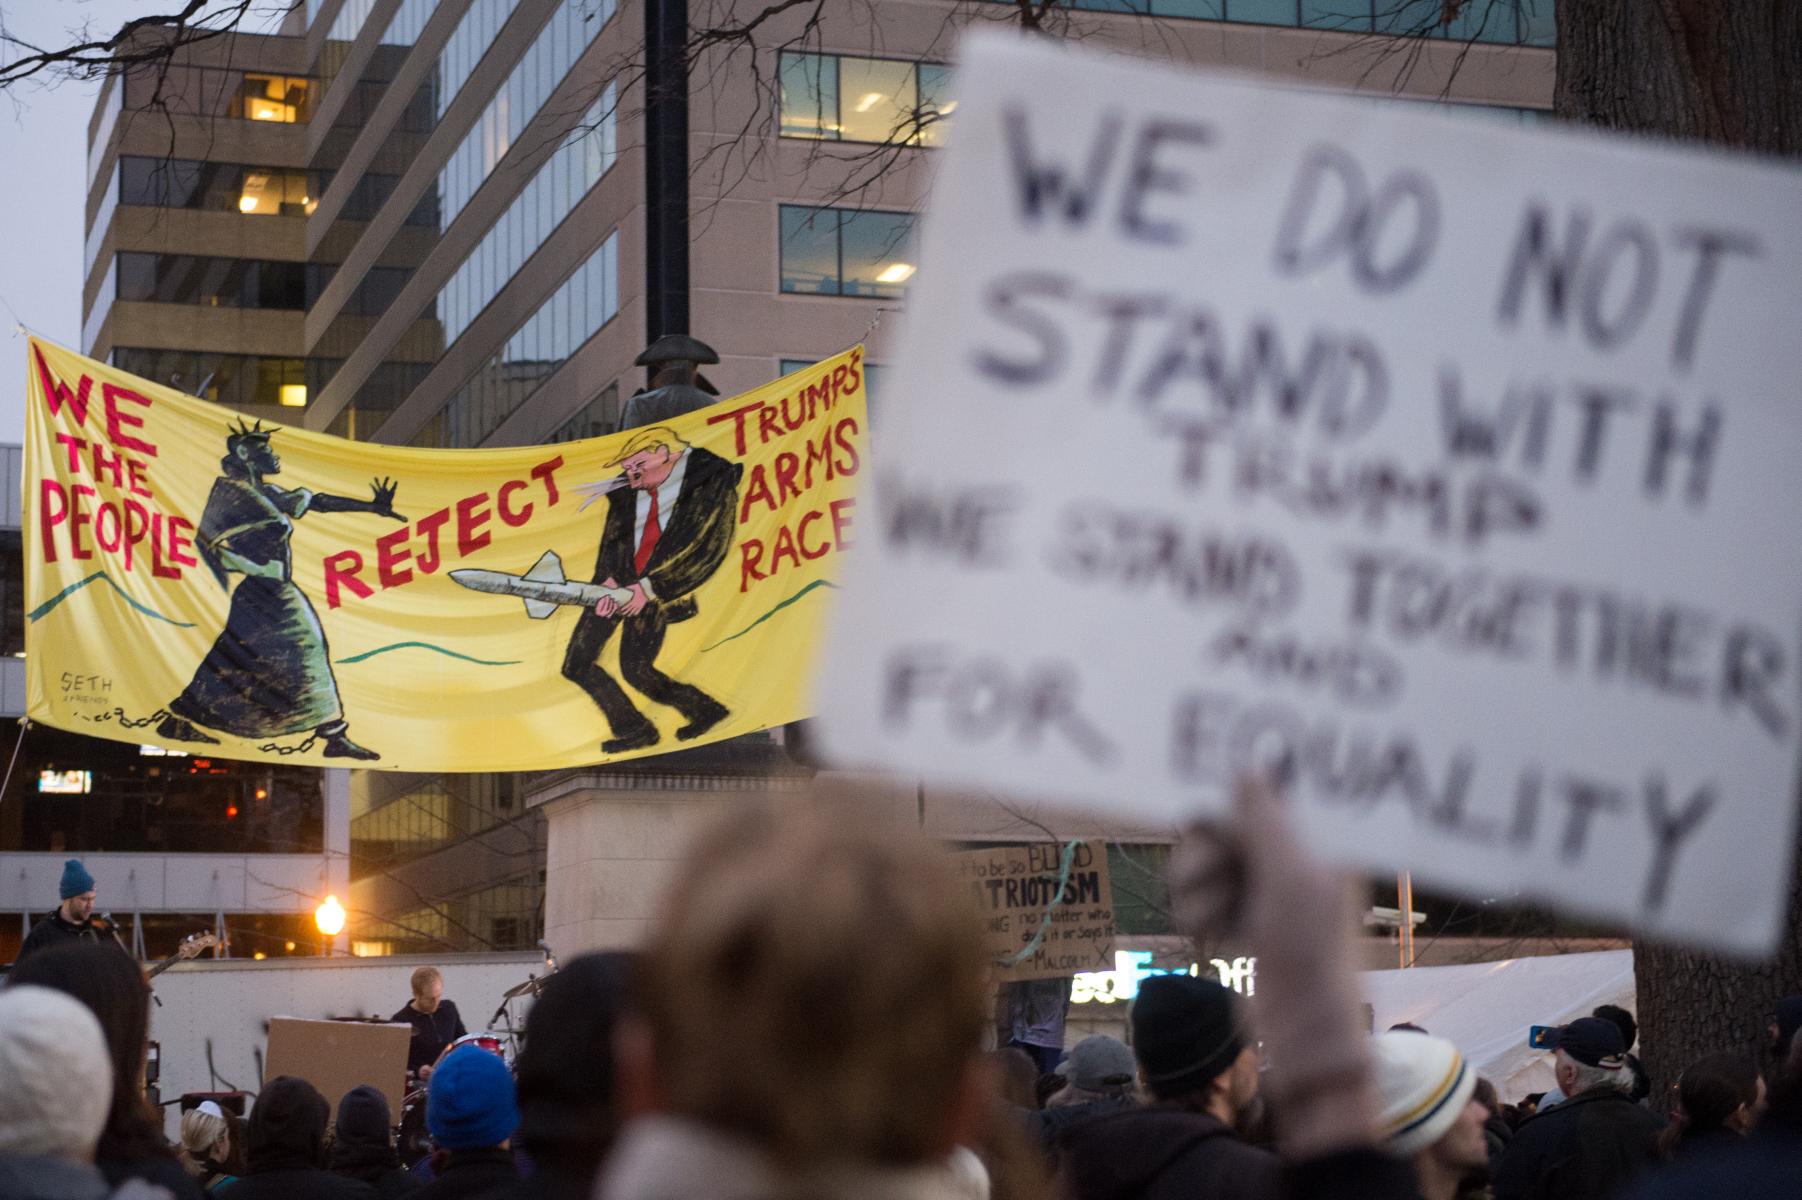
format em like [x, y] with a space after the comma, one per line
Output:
[212, 282]
[136, 802]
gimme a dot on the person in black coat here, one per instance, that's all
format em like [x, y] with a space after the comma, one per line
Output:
[363, 1144]
[668, 529]
[286, 1154]
[1199, 1066]
[1591, 1145]
[435, 1021]
[71, 921]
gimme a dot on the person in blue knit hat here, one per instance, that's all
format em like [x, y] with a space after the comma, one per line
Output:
[471, 1111]
[69, 921]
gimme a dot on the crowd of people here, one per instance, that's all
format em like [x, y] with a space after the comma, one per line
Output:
[808, 1021]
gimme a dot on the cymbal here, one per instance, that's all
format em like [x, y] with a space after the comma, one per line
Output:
[519, 989]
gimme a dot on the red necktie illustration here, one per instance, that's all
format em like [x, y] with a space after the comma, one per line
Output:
[647, 541]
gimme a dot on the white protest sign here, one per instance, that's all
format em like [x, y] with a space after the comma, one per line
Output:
[1445, 468]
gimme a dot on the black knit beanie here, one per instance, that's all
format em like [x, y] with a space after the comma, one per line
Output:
[1185, 1032]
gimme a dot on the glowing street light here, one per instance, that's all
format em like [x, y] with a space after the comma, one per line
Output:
[329, 916]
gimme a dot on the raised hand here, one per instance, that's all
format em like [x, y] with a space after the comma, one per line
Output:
[383, 504]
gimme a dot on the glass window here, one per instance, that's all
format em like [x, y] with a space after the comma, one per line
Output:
[279, 98]
[1348, 15]
[874, 253]
[597, 418]
[810, 250]
[534, 351]
[1409, 17]
[1482, 21]
[214, 282]
[1538, 22]
[936, 103]
[809, 95]
[1206, 10]
[863, 99]
[268, 193]
[1267, 12]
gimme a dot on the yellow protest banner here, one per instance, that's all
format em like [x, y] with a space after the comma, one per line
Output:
[206, 583]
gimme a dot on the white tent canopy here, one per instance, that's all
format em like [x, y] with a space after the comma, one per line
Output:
[1486, 1009]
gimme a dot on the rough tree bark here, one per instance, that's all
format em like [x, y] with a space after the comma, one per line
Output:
[1729, 74]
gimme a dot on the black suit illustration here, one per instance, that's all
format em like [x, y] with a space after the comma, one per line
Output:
[695, 539]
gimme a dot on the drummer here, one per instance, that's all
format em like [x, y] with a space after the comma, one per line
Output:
[434, 1020]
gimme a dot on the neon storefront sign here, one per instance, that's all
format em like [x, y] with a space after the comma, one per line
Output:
[1133, 967]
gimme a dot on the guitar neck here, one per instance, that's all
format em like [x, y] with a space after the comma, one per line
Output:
[153, 972]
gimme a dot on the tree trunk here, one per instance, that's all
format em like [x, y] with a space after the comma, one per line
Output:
[1722, 71]
[1727, 72]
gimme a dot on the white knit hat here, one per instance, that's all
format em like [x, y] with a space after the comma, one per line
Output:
[1424, 1084]
[56, 1081]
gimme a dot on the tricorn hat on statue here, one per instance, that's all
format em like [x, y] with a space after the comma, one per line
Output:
[676, 347]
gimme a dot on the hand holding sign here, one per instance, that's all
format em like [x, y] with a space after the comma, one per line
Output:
[1423, 465]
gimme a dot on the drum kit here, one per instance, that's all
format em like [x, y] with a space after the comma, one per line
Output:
[502, 1039]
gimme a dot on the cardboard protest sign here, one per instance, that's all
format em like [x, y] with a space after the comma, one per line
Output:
[202, 582]
[335, 1056]
[1048, 909]
[1442, 468]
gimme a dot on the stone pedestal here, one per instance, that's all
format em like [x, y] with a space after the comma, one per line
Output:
[615, 840]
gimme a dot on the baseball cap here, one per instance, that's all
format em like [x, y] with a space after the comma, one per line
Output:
[1592, 1041]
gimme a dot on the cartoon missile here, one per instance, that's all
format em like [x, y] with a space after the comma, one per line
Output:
[543, 587]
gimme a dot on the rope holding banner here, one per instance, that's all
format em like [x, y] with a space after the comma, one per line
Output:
[1038, 937]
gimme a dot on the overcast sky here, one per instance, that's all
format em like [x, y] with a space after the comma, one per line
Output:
[43, 144]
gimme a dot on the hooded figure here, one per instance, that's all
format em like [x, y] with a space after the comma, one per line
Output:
[363, 1144]
[286, 1150]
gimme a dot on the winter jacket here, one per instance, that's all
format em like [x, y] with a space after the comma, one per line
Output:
[1765, 1166]
[470, 1173]
[1162, 1153]
[377, 1165]
[667, 1158]
[160, 1170]
[1586, 1148]
[1497, 1133]
[1365, 1174]
[295, 1183]
[1047, 1123]
[30, 1177]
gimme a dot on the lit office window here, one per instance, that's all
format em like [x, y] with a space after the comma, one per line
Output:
[215, 92]
[838, 97]
[223, 187]
[237, 380]
[278, 98]
[838, 252]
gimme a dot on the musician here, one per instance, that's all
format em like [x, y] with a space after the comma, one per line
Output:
[434, 1020]
[70, 921]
